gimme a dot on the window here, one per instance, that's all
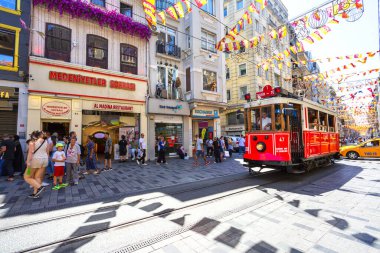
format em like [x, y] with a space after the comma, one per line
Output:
[242, 69]
[208, 41]
[126, 10]
[227, 73]
[188, 79]
[372, 144]
[164, 4]
[168, 39]
[261, 118]
[267, 75]
[225, 12]
[259, 71]
[97, 51]
[209, 7]
[239, 4]
[209, 80]
[128, 59]
[235, 118]
[257, 25]
[9, 44]
[243, 91]
[58, 42]
[188, 38]
[277, 80]
[99, 2]
[313, 119]
[228, 95]
[11, 6]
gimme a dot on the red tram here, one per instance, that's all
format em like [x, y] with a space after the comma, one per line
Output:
[286, 132]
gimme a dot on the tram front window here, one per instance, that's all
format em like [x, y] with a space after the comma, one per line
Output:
[266, 119]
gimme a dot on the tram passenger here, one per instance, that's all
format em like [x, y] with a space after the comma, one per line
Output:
[314, 124]
[265, 122]
[277, 124]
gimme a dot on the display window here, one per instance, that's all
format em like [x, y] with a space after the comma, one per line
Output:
[97, 123]
[173, 134]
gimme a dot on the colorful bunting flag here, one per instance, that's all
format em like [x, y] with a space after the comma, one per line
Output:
[200, 3]
[162, 17]
[178, 7]
[188, 5]
[172, 13]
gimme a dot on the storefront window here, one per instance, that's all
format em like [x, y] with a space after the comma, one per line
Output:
[173, 134]
[209, 80]
[97, 123]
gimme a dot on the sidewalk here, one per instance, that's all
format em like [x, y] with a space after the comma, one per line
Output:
[125, 179]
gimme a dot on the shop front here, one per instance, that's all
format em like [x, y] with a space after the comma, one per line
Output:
[88, 102]
[13, 107]
[206, 122]
[170, 119]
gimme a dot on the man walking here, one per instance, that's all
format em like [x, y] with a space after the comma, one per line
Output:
[8, 148]
[142, 147]
[107, 153]
[209, 147]
[241, 145]
[200, 151]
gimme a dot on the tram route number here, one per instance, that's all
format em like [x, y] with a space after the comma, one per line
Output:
[281, 150]
[370, 153]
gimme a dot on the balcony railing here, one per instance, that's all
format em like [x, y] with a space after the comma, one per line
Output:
[168, 49]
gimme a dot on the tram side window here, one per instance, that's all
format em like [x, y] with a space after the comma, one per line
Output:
[255, 117]
[266, 118]
[323, 122]
[331, 123]
[280, 119]
[313, 119]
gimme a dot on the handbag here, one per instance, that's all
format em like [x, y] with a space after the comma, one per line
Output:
[226, 153]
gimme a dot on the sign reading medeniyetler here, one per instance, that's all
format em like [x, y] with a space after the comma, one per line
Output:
[88, 80]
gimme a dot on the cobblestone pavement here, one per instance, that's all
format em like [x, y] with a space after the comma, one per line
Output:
[337, 213]
[125, 178]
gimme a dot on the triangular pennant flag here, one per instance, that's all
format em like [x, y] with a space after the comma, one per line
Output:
[162, 17]
[178, 7]
[252, 8]
[282, 32]
[200, 3]
[309, 40]
[188, 5]
[172, 13]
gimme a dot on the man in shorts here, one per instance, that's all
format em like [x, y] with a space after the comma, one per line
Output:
[200, 151]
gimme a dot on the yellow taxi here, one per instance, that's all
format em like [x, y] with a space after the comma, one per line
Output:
[370, 148]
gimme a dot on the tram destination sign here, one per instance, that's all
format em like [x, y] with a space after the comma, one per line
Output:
[268, 91]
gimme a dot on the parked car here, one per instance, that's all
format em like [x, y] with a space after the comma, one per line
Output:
[370, 148]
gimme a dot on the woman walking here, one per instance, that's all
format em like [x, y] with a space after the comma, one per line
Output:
[90, 165]
[38, 158]
[123, 149]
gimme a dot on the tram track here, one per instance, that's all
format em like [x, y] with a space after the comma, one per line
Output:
[150, 217]
[113, 206]
[69, 243]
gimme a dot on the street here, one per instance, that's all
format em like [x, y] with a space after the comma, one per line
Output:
[177, 208]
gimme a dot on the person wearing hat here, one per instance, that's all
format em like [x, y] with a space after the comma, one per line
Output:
[59, 159]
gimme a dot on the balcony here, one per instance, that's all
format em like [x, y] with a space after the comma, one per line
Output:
[168, 49]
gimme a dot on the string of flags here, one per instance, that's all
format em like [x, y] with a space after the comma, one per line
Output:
[175, 11]
[358, 56]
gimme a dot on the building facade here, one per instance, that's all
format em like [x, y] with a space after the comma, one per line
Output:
[186, 76]
[89, 78]
[14, 46]
[243, 75]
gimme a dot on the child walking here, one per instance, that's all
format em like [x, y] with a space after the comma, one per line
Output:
[59, 167]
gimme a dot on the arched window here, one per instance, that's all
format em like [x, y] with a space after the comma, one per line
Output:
[58, 42]
[97, 51]
[128, 59]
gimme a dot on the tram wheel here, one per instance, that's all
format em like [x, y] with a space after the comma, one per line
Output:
[352, 155]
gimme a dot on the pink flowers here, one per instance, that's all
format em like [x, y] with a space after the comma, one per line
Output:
[114, 20]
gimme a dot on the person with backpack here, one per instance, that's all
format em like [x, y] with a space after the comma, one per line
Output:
[161, 151]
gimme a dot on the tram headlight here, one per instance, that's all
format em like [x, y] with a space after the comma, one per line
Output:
[260, 147]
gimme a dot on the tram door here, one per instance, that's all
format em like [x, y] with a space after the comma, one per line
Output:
[295, 133]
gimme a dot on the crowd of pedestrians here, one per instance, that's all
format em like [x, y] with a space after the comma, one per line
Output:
[50, 158]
